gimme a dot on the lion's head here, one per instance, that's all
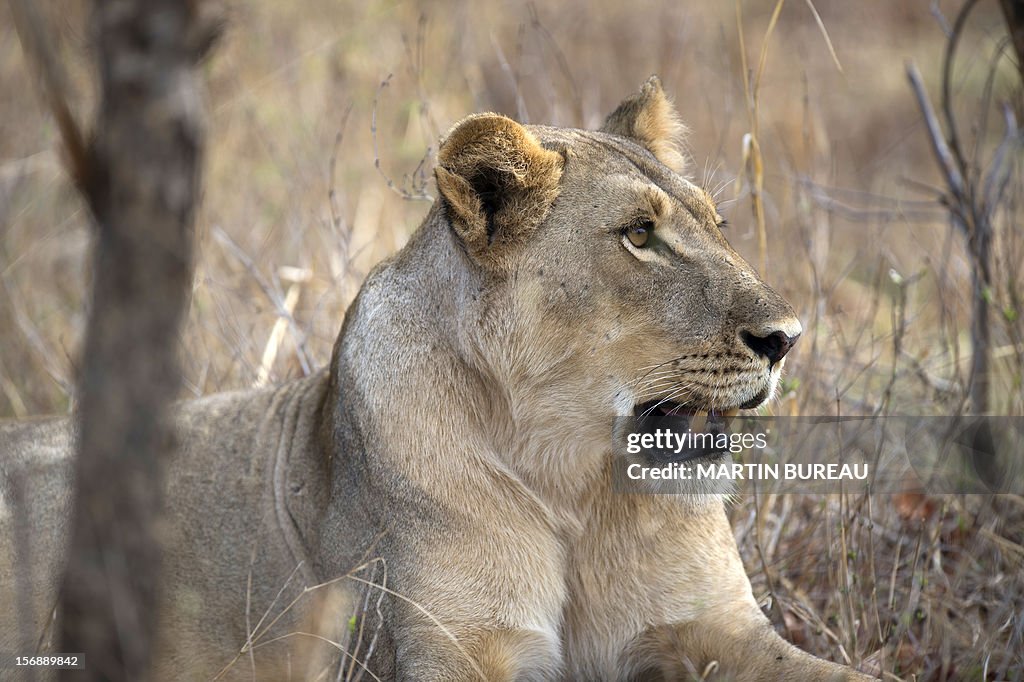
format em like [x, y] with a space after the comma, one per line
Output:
[607, 287]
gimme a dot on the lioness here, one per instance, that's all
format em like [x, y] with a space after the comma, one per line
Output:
[457, 451]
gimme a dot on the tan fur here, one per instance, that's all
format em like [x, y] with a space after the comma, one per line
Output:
[650, 118]
[439, 503]
[487, 156]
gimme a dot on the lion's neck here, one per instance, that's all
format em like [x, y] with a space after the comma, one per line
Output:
[458, 373]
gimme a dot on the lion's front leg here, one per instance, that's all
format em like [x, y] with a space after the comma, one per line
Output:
[489, 653]
[663, 594]
[744, 648]
[476, 596]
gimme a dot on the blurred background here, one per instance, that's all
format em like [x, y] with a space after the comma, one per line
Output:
[324, 118]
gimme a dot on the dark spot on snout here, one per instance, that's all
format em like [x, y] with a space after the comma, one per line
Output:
[774, 346]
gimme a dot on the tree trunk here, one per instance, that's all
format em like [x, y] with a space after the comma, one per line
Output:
[980, 247]
[140, 178]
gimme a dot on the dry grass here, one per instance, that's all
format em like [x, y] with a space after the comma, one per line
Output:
[296, 211]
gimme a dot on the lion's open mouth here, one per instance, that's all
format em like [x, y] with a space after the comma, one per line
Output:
[689, 417]
[694, 417]
[655, 417]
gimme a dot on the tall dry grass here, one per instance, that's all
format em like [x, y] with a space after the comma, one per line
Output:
[324, 118]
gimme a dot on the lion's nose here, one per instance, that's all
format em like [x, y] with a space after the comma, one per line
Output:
[773, 346]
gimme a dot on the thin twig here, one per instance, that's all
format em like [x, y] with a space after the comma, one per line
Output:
[945, 157]
[272, 293]
[336, 645]
[824, 34]
[409, 194]
[999, 171]
[986, 98]
[956, 151]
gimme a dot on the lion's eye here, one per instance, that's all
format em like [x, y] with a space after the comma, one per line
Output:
[639, 233]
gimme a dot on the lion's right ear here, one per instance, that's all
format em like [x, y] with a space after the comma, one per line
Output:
[497, 183]
[650, 118]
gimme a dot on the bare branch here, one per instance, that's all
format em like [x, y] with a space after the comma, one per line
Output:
[947, 162]
[999, 170]
[986, 99]
[956, 150]
[940, 17]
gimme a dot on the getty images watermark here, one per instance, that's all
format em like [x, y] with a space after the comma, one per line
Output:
[679, 455]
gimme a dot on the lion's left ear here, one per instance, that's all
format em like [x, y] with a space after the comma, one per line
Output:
[650, 118]
[497, 183]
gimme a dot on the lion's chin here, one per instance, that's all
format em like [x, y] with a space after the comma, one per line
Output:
[668, 408]
[761, 398]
